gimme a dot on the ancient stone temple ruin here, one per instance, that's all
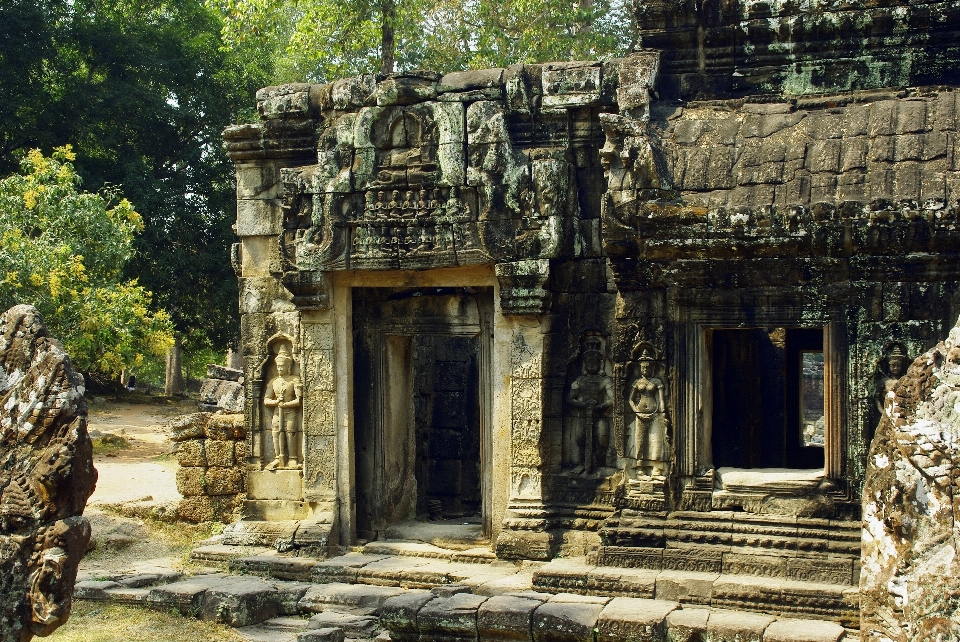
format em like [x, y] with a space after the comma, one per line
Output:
[646, 311]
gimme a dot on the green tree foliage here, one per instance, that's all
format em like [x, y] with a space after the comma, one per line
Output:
[64, 252]
[142, 89]
[320, 40]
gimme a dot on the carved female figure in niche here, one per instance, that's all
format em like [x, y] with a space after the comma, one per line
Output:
[897, 361]
[284, 394]
[647, 399]
[591, 394]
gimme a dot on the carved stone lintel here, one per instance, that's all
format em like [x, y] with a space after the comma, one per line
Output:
[310, 290]
[523, 287]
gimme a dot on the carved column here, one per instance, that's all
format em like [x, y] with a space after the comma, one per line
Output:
[524, 533]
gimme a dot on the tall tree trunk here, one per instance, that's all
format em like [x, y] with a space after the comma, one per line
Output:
[388, 45]
[174, 379]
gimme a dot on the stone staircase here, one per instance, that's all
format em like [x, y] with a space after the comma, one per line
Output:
[405, 590]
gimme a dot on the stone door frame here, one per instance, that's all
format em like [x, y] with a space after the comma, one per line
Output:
[492, 358]
[694, 389]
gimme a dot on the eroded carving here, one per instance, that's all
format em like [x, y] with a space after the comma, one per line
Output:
[46, 476]
[889, 372]
[587, 438]
[283, 396]
[650, 442]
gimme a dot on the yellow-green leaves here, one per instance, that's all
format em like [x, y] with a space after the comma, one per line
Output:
[63, 251]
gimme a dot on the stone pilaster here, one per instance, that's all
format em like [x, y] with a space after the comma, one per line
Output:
[524, 534]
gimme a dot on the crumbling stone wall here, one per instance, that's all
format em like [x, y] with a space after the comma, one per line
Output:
[46, 477]
[910, 580]
[211, 451]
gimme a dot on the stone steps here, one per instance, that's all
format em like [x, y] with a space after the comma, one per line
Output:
[465, 604]
[836, 602]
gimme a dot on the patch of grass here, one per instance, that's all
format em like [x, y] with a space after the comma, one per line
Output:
[98, 622]
[109, 444]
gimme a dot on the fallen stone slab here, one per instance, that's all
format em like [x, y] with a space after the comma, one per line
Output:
[321, 635]
[359, 599]
[187, 596]
[567, 619]
[737, 626]
[450, 618]
[342, 569]
[93, 589]
[241, 602]
[399, 614]
[290, 594]
[507, 617]
[140, 580]
[634, 620]
[353, 626]
[791, 630]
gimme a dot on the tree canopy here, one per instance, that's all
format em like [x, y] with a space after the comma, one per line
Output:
[321, 40]
[142, 89]
[64, 251]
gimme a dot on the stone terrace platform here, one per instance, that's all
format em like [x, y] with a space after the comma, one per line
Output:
[417, 591]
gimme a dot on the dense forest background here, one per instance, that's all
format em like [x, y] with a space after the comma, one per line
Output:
[140, 91]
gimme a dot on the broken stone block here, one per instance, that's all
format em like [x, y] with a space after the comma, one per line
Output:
[187, 596]
[227, 426]
[687, 625]
[468, 80]
[284, 101]
[353, 626]
[241, 601]
[406, 89]
[628, 618]
[399, 614]
[506, 617]
[47, 461]
[321, 635]
[188, 426]
[289, 596]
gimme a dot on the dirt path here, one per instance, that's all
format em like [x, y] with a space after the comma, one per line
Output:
[142, 470]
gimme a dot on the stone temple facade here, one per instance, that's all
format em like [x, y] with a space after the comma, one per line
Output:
[645, 311]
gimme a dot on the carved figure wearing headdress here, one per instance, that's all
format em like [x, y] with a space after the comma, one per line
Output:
[647, 399]
[283, 394]
[897, 362]
[591, 395]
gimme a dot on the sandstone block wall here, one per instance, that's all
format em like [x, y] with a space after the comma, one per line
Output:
[211, 451]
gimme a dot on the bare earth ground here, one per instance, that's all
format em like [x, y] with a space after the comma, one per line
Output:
[141, 472]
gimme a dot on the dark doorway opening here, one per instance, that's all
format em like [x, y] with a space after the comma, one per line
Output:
[447, 420]
[418, 405]
[765, 385]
